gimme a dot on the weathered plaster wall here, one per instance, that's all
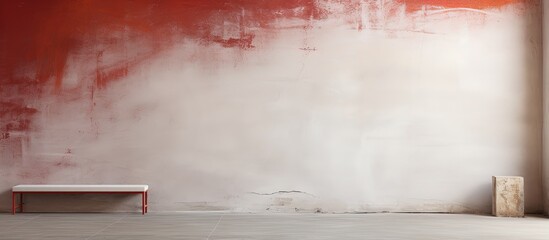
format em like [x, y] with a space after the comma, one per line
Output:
[272, 105]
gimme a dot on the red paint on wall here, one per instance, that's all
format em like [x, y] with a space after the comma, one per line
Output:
[243, 42]
[38, 37]
[105, 76]
[414, 5]
[42, 34]
[15, 117]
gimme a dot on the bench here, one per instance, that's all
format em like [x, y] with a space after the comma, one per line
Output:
[76, 189]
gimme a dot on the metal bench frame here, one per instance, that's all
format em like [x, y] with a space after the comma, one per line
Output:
[15, 206]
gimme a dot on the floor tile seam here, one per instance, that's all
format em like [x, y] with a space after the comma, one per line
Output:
[215, 227]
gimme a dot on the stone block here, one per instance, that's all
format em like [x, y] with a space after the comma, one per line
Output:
[507, 196]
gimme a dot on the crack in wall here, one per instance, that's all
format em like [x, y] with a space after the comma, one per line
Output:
[282, 192]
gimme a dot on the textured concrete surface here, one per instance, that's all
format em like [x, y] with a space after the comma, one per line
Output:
[219, 225]
[384, 118]
[508, 196]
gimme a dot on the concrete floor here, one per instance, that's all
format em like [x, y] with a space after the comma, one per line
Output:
[219, 225]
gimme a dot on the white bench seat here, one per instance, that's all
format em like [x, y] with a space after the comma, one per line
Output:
[82, 189]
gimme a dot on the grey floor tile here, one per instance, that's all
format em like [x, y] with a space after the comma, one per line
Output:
[215, 225]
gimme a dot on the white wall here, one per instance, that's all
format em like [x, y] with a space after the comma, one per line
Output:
[403, 119]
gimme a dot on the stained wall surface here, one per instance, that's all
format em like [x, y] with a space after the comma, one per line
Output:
[299, 105]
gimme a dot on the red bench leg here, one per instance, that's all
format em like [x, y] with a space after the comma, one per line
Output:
[143, 203]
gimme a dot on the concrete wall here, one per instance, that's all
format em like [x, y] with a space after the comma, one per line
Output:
[273, 106]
